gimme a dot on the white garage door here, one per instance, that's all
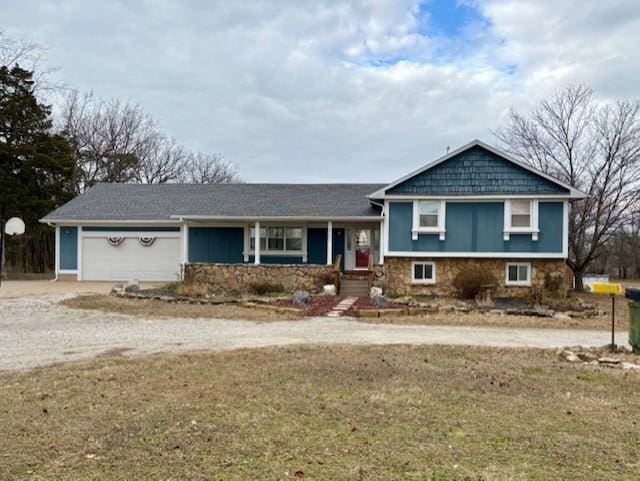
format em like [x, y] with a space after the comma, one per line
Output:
[102, 261]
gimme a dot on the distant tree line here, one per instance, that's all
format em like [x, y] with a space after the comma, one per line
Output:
[44, 162]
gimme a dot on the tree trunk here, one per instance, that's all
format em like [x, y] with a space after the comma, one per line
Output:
[577, 279]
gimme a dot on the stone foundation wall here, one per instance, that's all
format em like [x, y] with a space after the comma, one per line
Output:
[240, 277]
[398, 275]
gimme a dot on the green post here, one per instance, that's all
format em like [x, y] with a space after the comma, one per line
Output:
[634, 326]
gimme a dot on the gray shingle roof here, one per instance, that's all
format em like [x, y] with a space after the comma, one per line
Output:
[121, 202]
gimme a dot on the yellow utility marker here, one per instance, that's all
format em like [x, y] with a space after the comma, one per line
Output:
[612, 289]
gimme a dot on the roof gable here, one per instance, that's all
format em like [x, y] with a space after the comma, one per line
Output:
[477, 169]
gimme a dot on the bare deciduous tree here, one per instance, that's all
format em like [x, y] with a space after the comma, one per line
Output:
[29, 55]
[593, 146]
[209, 169]
[119, 142]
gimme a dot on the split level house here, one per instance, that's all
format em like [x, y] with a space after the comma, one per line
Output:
[474, 208]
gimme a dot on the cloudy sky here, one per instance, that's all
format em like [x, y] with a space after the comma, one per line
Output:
[326, 91]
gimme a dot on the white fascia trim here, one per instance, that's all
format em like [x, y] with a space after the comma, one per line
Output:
[573, 192]
[70, 222]
[282, 218]
[526, 283]
[471, 255]
[68, 271]
[164, 235]
[423, 281]
[440, 230]
[533, 229]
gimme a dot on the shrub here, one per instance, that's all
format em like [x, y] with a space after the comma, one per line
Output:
[262, 288]
[324, 279]
[191, 289]
[554, 284]
[471, 281]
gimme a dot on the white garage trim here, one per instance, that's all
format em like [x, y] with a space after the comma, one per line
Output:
[100, 261]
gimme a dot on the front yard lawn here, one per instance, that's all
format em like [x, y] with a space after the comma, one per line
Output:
[370, 413]
[155, 308]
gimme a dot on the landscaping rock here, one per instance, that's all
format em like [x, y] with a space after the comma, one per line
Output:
[562, 316]
[380, 301]
[133, 285]
[375, 292]
[301, 297]
[118, 289]
[608, 360]
[629, 365]
[587, 356]
[329, 290]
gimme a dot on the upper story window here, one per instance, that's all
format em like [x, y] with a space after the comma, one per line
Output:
[428, 218]
[428, 212]
[521, 217]
[277, 238]
[520, 213]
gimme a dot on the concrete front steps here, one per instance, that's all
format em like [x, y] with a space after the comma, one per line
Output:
[354, 287]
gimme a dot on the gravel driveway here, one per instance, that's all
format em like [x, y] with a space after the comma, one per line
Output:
[36, 331]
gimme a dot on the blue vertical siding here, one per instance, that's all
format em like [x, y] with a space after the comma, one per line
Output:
[337, 244]
[476, 227]
[68, 248]
[316, 245]
[216, 244]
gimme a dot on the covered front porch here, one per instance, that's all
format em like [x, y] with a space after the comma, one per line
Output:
[271, 241]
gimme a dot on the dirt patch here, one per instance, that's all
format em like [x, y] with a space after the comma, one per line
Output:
[156, 308]
[373, 413]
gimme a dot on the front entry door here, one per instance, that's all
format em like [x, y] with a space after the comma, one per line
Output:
[360, 247]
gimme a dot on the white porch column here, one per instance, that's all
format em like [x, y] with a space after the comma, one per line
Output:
[329, 242]
[185, 242]
[256, 236]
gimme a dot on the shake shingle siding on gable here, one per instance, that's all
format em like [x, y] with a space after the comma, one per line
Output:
[477, 171]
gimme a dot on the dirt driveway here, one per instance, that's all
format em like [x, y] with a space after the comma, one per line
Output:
[35, 330]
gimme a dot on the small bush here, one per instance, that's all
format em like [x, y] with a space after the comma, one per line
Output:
[554, 284]
[324, 279]
[471, 281]
[191, 289]
[263, 288]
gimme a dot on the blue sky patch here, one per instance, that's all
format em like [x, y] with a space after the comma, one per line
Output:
[447, 18]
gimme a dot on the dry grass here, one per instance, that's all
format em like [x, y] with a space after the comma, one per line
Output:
[155, 308]
[374, 413]
[501, 320]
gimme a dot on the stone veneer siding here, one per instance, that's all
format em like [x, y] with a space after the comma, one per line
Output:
[239, 277]
[398, 275]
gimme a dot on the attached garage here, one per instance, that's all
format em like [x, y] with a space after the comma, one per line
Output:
[124, 256]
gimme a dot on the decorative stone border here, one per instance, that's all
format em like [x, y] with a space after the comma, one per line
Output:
[588, 358]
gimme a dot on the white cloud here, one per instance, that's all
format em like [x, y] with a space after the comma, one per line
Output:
[302, 91]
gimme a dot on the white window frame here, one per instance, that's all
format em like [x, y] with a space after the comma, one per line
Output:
[416, 229]
[432, 280]
[280, 252]
[532, 229]
[525, 283]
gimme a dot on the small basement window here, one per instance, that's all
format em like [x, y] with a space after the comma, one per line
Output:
[518, 274]
[423, 272]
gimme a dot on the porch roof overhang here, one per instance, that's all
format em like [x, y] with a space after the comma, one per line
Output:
[204, 218]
